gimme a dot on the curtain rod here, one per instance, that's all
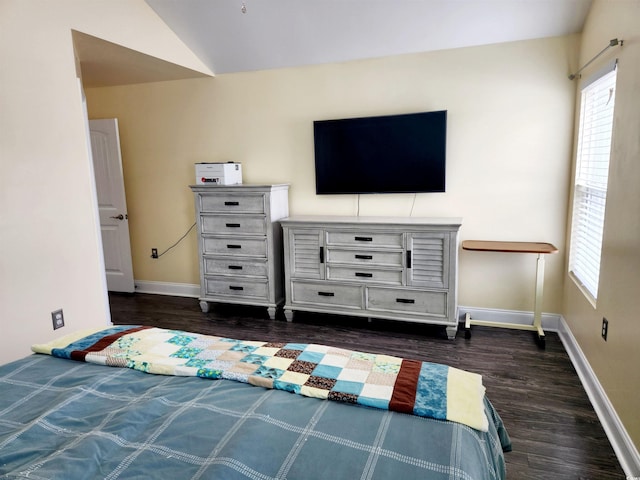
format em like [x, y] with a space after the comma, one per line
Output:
[612, 43]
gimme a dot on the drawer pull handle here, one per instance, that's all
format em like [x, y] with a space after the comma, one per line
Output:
[326, 294]
[363, 239]
[362, 274]
[232, 204]
[233, 287]
[235, 267]
[364, 257]
[234, 246]
[233, 225]
[405, 300]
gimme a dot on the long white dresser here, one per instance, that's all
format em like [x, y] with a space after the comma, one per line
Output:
[240, 244]
[394, 268]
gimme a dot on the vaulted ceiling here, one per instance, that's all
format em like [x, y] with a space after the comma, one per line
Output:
[245, 35]
[241, 35]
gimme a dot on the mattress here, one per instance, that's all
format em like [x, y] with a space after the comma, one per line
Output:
[61, 419]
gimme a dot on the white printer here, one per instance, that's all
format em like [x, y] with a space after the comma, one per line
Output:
[229, 173]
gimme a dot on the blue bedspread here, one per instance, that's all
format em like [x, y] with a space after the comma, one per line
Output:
[71, 420]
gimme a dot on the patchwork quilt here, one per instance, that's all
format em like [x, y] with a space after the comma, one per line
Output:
[379, 381]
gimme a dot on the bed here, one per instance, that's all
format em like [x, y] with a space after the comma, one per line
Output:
[66, 419]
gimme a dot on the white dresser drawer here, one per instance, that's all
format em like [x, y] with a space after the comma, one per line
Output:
[242, 203]
[355, 238]
[236, 287]
[324, 293]
[404, 300]
[366, 275]
[235, 266]
[254, 247]
[364, 257]
[234, 224]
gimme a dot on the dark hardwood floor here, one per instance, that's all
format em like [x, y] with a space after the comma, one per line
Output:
[555, 432]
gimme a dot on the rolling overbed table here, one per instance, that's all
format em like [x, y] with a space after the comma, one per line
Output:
[541, 249]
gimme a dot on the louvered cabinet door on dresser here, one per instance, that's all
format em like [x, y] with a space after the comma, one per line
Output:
[378, 267]
[240, 244]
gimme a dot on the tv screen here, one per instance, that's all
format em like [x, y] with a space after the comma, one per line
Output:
[384, 154]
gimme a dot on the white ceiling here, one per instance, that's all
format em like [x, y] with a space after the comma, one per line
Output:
[286, 33]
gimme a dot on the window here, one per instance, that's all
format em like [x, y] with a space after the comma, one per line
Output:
[590, 187]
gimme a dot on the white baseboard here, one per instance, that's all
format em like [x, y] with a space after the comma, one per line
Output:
[622, 444]
[166, 288]
[550, 321]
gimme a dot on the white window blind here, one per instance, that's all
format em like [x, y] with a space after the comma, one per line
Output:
[592, 173]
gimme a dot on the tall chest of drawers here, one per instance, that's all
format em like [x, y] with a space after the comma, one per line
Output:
[378, 267]
[240, 244]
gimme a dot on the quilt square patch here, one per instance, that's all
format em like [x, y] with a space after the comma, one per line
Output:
[219, 365]
[339, 352]
[231, 356]
[352, 375]
[373, 402]
[342, 397]
[264, 382]
[243, 347]
[245, 368]
[384, 366]
[314, 357]
[381, 392]
[320, 382]
[209, 354]
[295, 346]
[380, 378]
[314, 392]
[266, 351]
[312, 347]
[326, 371]
[360, 364]
[186, 352]
[367, 357]
[267, 372]
[181, 339]
[294, 377]
[302, 367]
[278, 362]
[197, 362]
[209, 373]
[255, 359]
[220, 345]
[343, 386]
[334, 360]
[202, 342]
[288, 353]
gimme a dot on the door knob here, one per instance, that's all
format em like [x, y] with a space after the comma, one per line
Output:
[119, 217]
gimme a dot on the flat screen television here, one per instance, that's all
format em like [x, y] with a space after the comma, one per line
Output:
[383, 154]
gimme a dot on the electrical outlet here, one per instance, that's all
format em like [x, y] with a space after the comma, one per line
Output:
[154, 253]
[58, 319]
[605, 328]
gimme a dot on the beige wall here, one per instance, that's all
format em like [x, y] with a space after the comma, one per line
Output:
[51, 254]
[510, 113]
[616, 361]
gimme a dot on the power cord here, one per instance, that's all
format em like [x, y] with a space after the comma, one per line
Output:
[181, 238]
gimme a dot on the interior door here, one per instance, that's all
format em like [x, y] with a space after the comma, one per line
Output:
[112, 204]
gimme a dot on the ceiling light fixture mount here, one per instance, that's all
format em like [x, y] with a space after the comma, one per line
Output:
[243, 8]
